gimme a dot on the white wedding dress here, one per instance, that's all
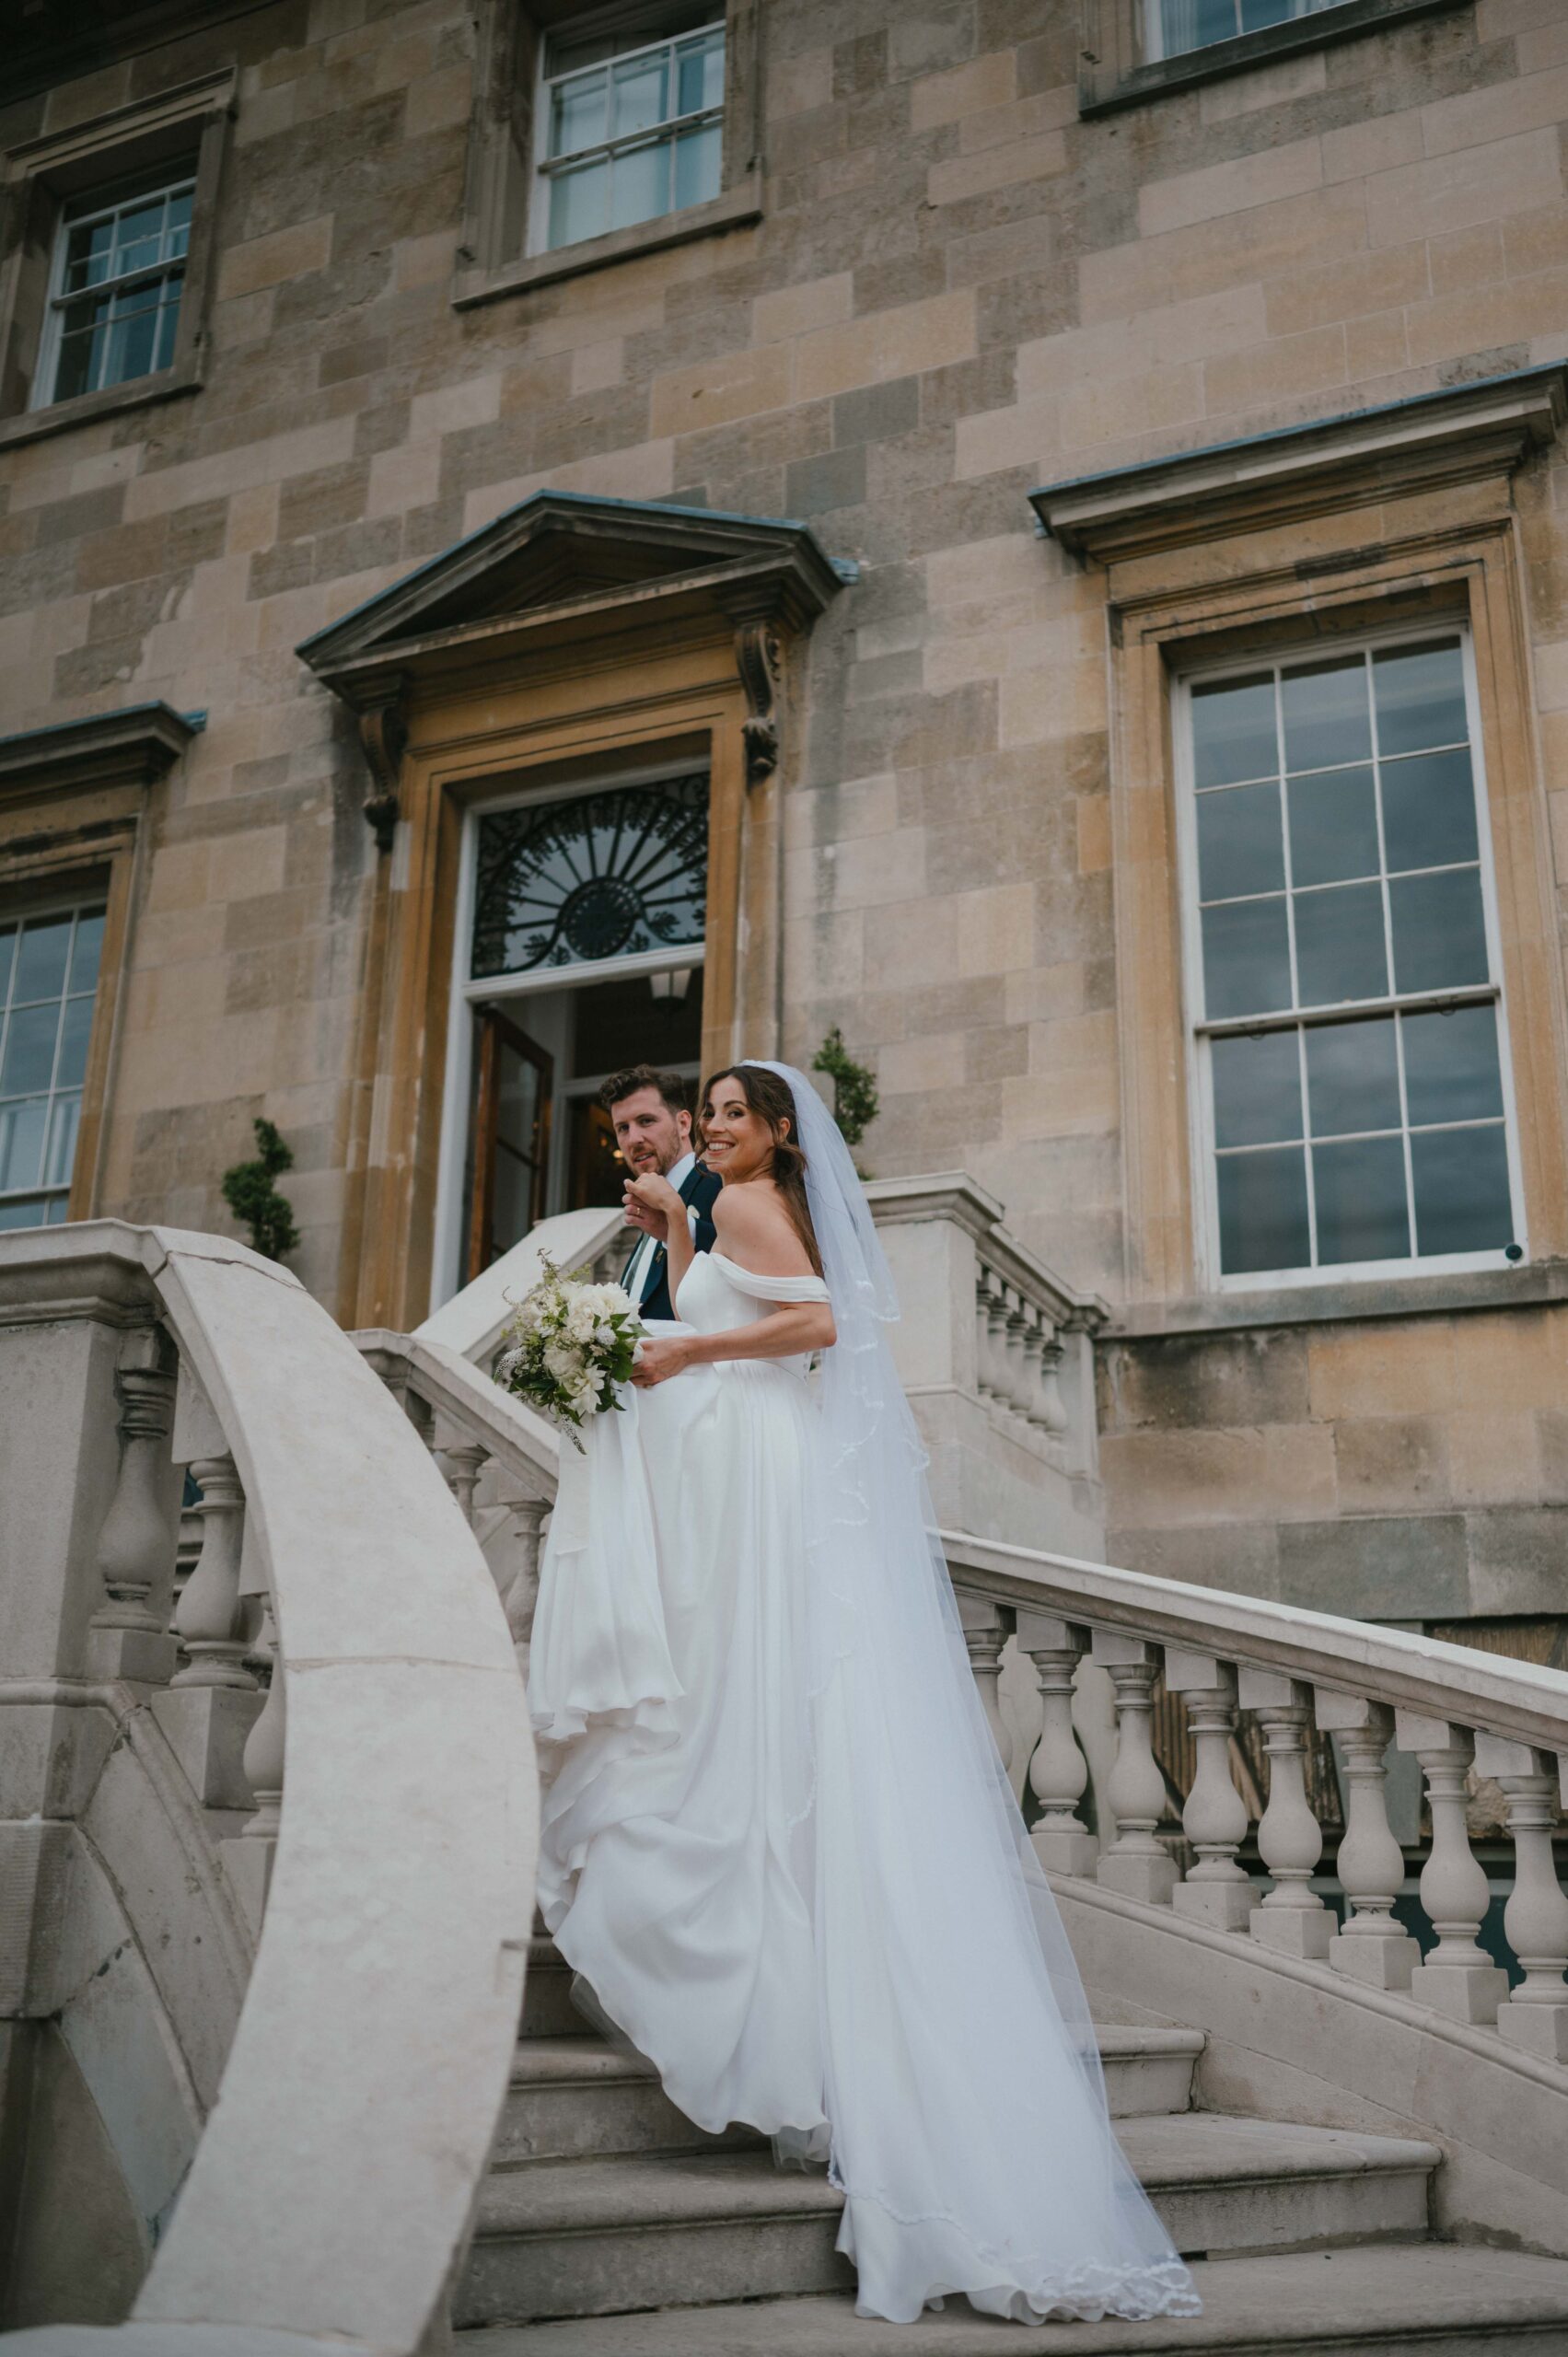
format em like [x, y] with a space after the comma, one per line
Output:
[777, 1843]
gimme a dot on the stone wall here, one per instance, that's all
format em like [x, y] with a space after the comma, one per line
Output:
[958, 288]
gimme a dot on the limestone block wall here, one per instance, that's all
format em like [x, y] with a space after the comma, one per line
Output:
[1408, 1470]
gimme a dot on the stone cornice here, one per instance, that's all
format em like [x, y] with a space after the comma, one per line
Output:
[132, 747]
[1455, 435]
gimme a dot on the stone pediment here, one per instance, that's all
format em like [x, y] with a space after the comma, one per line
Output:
[563, 565]
[562, 572]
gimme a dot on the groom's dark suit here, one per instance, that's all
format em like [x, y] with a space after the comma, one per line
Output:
[698, 1190]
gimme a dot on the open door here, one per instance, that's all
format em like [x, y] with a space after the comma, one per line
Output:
[510, 1137]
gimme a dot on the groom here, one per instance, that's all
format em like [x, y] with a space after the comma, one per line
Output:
[653, 1131]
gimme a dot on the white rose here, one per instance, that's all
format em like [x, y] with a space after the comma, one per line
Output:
[564, 1363]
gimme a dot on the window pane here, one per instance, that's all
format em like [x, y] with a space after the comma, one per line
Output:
[7, 959]
[1429, 811]
[167, 320]
[1461, 1190]
[513, 1198]
[639, 96]
[132, 336]
[1420, 694]
[41, 969]
[32, 1213]
[1451, 1067]
[21, 1141]
[88, 250]
[74, 1033]
[1333, 827]
[63, 1126]
[1264, 1211]
[578, 113]
[30, 1049]
[1439, 929]
[1339, 944]
[640, 188]
[697, 159]
[86, 953]
[1326, 715]
[1246, 958]
[1233, 732]
[1360, 1190]
[1352, 1078]
[580, 204]
[700, 71]
[176, 236]
[1239, 846]
[1257, 1086]
[81, 349]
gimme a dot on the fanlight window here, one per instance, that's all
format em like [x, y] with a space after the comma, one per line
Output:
[613, 874]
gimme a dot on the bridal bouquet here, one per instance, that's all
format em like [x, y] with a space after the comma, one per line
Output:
[570, 1347]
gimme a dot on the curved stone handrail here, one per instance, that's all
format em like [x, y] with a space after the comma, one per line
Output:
[1521, 1701]
[331, 2193]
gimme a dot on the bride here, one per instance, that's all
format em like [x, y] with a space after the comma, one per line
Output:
[778, 1843]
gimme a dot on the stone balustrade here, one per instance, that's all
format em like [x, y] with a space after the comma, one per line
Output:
[1463, 1715]
[266, 1827]
[996, 1354]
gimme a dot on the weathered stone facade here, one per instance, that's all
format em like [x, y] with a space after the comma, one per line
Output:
[954, 286]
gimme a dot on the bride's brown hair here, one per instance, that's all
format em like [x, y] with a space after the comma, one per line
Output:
[774, 1101]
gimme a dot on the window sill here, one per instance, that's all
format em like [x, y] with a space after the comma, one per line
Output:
[732, 209]
[1103, 90]
[1532, 1284]
[59, 417]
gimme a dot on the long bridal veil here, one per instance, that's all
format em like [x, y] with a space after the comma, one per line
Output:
[963, 2086]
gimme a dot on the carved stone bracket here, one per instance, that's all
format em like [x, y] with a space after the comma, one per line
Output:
[757, 655]
[383, 733]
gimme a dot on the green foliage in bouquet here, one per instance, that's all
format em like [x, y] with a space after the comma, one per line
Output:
[251, 1195]
[570, 1348]
[855, 1102]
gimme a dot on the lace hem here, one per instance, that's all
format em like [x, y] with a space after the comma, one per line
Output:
[945, 2262]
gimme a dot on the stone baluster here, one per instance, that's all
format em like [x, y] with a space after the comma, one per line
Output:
[1059, 1774]
[529, 1517]
[210, 1618]
[265, 1745]
[1370, 1865]
[1020, 1375]
[129, 1635]
[1053, 1406]
[1536, 1916]
[1217, 1888]
[1458, 1978]
[1036, 1339]
[1136, 1861]
[986, 1629]
[463, 1462]
[991, 1298]
[1290, 1917]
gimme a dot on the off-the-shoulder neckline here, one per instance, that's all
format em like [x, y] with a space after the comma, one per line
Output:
[802, 1277]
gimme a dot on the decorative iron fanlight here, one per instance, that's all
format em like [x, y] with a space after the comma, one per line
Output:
[602, 874]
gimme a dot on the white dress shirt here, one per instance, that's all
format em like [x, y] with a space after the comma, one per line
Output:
[640, 1268]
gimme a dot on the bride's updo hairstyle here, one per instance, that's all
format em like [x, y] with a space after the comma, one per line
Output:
[771, 1099]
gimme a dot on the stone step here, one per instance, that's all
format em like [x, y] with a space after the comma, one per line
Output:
[571, 2097]
[560, 2238]
[547, 2010]
[574, 2096]
[1430, 2301]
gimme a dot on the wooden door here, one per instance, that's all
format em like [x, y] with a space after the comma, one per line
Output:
[513, 1087]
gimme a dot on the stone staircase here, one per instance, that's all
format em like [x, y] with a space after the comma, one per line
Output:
[609, 2224]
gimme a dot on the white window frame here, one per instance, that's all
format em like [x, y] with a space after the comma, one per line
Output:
[58, 301]
[501, 988]
[1153, 51]
[1199, 1030]
[26, 912]
[546, 167]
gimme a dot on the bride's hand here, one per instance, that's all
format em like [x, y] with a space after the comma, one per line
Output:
[651, 1201]
[658, 1360]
